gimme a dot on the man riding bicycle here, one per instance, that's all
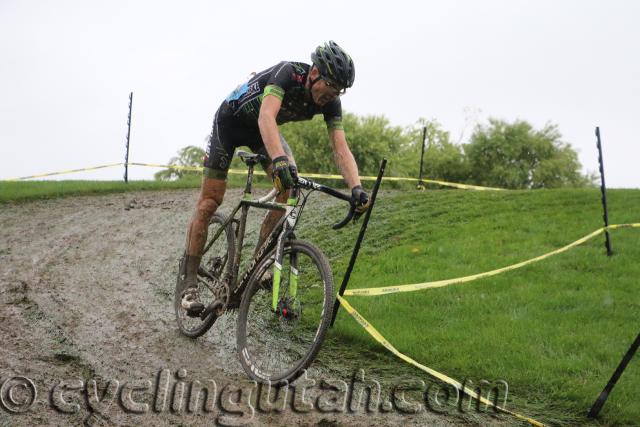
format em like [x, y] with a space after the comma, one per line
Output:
[288, 91]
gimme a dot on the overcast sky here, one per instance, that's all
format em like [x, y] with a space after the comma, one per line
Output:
[67, 68]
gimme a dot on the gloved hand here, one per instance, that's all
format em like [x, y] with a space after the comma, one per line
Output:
[284, 174]
[360, 199]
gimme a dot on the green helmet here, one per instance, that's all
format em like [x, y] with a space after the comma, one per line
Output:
[334, 64]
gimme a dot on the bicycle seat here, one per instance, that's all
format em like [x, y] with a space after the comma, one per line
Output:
[250, 159]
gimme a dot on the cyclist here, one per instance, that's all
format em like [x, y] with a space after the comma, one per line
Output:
[249, 116]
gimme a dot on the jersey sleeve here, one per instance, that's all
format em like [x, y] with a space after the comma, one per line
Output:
[333, 114]
[280, 80]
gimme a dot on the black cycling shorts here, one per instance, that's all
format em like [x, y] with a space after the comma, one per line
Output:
[227, 135]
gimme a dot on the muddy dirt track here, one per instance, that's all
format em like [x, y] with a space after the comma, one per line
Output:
[86, 299]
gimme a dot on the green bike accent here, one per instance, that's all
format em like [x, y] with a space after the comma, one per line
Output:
[292, 201]
[277, 269]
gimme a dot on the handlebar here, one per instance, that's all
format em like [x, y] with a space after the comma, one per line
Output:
[311, 185]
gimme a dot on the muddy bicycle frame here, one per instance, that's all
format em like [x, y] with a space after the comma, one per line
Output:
[281, 232]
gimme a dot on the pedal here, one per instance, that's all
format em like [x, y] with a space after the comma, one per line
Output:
[211, 308]
[195, 312]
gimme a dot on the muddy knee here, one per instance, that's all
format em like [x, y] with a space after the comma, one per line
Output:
[210, 198]
[209, 201]
[206, 207]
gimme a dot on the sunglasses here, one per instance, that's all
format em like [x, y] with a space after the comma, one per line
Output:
[339, 90]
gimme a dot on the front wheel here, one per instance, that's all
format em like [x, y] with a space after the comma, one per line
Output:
[277, 345]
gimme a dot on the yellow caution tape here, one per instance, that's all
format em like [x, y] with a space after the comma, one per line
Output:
[378, 337]
[461, 186]
[243, 172]
[614, 226]
[195, 168]
[330, 176]
[153, 165]
[67, 171]
[402, 178]
[441, 283]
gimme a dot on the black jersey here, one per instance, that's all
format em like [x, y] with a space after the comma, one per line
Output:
[285, 80]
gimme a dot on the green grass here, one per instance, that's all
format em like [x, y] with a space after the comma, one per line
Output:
[554, 330]
[22, 191]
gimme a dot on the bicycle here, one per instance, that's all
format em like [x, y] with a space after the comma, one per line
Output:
[281, 322]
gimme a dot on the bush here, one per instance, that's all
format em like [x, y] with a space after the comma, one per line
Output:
[514, 155]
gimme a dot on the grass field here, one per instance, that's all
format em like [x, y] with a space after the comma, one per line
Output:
[555, 330]
[21, 191]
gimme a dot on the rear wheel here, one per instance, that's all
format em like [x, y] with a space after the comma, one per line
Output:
[276, 346]
[213, 274]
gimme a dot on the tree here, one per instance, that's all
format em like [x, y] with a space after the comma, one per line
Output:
[187, 156]
[501, 154]
[515, 155]
[370, 139]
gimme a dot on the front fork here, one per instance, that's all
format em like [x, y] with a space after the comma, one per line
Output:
[293, 257]
[277, 277]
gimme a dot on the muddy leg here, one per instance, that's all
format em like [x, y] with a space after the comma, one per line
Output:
[211, 195]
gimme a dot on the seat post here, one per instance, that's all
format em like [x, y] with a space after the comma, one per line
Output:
[250, 160]
[248, 185]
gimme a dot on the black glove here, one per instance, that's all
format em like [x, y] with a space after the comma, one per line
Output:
[360, 199]
[284, 175]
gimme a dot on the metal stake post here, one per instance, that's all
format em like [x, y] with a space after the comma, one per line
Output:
[356, 249]
[603, 190]
[126, 156]
[599, 403]
[420, 185]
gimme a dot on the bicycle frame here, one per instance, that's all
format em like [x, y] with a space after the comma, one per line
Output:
[283, 230]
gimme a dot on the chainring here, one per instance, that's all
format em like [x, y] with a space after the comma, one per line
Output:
[220, 291]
